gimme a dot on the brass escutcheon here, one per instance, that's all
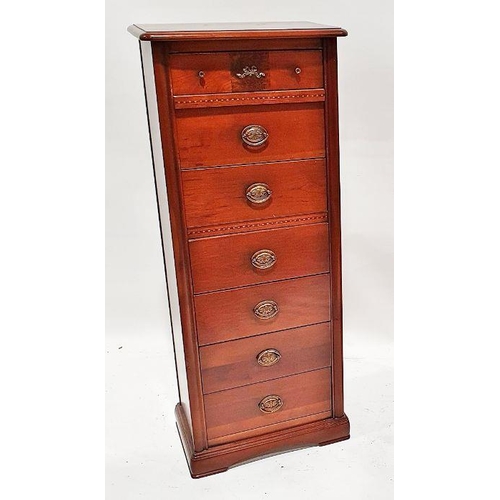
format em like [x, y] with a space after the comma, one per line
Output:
[269, 357]
[267, 309]
[263, 259]
[254, 135]
[270, 403]
[258, 193]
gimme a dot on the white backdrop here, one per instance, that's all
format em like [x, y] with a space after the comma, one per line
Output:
[144, 456]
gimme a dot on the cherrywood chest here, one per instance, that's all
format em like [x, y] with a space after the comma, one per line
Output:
[243, 123]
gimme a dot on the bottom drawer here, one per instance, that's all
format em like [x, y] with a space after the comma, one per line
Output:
[287, 401]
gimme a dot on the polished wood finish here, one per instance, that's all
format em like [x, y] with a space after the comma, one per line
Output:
[217, 196]
[232, 364]
[244, 44]
[258, 225]
[255, 233]
[248, 99]
[229, 315]
[333, 161]
[232, 31]
[285, 437]
[193, 401]
[213, 137]
[220, 71]
[237, 410]
[300, 422]
[225, 261]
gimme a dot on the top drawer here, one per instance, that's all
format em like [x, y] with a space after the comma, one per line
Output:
[246, 71]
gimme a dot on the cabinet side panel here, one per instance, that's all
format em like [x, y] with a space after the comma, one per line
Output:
[333, 173]
[165, 225]
[182, 265]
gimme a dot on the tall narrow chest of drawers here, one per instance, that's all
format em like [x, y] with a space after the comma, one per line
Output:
[244, 134]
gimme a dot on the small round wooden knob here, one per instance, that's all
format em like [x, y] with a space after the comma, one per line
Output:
[269, 357]
[298, 70]
[263, 259]
[267, 309]
[270, 403]
[258, 193]
[201, 74]
[254, 135]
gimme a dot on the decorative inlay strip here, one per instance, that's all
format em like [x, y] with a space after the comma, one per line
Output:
[230, 99]
[234, 99]
[198, 233]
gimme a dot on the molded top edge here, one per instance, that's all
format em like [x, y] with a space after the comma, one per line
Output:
[211, 31]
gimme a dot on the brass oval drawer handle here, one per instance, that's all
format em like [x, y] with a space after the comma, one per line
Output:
[254, 135]
[267, 309]
[258, 193]
[269, 357]
[270, 403]
[250, 71]
[263, 259]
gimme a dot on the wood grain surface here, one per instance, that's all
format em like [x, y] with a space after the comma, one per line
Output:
[333, 177]
[223, 262]
[218, 195]
[215, 231]
[212, 137]
[237, 45]
[233, 31]
[184, 338]
[229, 315]
[232, 364]
[236, 410]
[276, 69]
[255, 98]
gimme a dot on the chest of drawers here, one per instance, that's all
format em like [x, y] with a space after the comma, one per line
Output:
[244, 135]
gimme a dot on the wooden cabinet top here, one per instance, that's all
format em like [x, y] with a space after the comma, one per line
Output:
[228, 31]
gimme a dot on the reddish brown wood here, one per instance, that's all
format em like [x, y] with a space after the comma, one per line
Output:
[285, 424]
[259, 225]
[245, 44]
[248, 98]
[333, 163]
[224, 262]
[218, 195]
[232, 364]
[215, 232]
[219, 458]
[194, 401]
[220, 71]
[237, 410]
[212, 137]
[229, 315]
[232, 31]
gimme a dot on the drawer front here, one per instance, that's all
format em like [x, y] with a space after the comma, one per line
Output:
[236, 260]
[214, 137]
[256, 359]
[231, 194]
[225, 71]
[238, 410]
[230, 315]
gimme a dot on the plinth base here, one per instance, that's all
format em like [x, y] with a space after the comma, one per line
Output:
[219, 458]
